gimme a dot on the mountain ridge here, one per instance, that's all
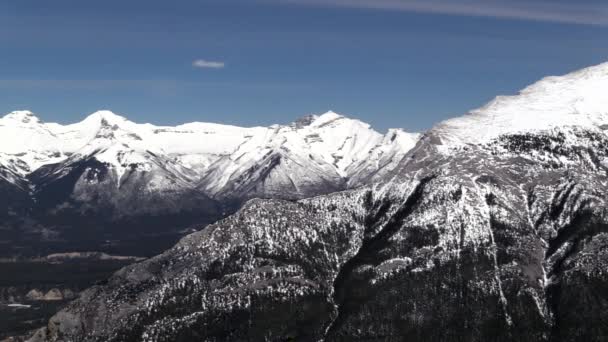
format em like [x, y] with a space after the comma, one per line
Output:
[47, 143]
[120, 178]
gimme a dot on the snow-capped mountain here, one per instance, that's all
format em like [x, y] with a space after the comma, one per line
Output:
[487, 230]
[328, 151]
[109, 172]
[577, 99]
[211, 155]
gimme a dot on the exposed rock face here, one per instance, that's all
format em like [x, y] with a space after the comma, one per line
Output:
[504, 241]
[14, 198]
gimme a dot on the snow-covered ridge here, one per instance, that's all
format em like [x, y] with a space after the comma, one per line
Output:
[576, 99]
[329, 143]
[316, 148]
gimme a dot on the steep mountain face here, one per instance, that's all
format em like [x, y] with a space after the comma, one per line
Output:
[383, 159]
[499, 237]
[107, 178]
[115, 171]
[315, 155]
[14, 198]
[15, 202]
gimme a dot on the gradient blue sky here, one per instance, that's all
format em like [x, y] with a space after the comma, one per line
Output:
[392, 63]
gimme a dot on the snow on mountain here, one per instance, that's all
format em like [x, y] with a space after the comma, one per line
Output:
[122, 179]
[10, 169]
[383, 158]
[327, 148]
[25, 137]
[339, 140]
[102, 127]
[576, 99]
[315, 151]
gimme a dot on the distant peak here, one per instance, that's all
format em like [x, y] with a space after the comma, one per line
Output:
[107, 117]
[330, 115]
[326, 118]
[24, 116]
[574, 99]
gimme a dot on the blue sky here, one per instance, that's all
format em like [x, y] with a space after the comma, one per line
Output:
[392, 63]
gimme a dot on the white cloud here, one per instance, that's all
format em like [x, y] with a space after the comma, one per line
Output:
[575, 12]
[202, 63]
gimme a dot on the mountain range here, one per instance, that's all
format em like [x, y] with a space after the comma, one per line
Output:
[492, 227]
[107, 180]
[203, 155]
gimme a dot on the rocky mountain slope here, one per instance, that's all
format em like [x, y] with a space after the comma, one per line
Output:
[489, 229]
[107, 179]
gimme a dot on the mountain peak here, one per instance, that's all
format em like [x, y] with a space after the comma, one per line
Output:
[24, 116]
[330, 115]
[575, 99]
[107, 117]
[326, 118]
[316, 119]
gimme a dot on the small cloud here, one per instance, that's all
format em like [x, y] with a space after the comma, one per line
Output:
[201, 63]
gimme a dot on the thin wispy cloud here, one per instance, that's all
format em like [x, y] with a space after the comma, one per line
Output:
[575, 12]
[205, 64]
[143, 84]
